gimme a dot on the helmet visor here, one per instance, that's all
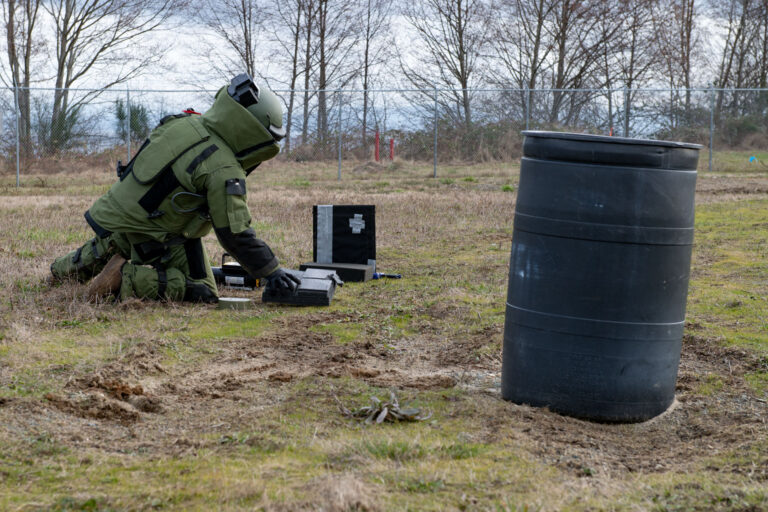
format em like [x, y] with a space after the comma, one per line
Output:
[278, 132]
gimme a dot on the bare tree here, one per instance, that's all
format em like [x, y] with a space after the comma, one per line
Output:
[239, 25]
[452, 34]
[742, 58]
[678, 40]
[22, 44]
[626, 54]
[334, 41]
[310, 13]
[637, 57]
[521, 46]
[577, 38]
[374, 25]
[100, 37]
[290, 15]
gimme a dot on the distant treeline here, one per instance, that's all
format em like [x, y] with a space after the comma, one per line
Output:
[451, 50]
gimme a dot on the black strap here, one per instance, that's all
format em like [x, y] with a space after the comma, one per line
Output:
[202, 156]
[152, 249]
[167, 167]
[95, 249]
[167, 181]
[100, 231]
[148, 251]
[257, 147]
[162, 282]
[170, 117]
[76, 257]
[195, 258]
[125, 170]
[162, 188]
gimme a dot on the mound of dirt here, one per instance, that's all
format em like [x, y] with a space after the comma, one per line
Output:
[94, 405]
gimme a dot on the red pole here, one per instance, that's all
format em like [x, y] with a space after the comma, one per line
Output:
[376, 151]
[391, 149]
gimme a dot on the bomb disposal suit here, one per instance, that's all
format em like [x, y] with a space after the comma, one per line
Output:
[187, 178]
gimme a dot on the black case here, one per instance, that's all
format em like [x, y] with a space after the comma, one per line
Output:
[316, 289]
[348, 272]
[344, 234]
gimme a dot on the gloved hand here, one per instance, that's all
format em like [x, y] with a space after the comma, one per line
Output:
[282, 282]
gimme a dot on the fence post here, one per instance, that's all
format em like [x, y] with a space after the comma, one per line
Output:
[434, 150]
[18, 129]
[711, 122]
[527, 106]
[339, 128]
[626, 110]
[128, 122]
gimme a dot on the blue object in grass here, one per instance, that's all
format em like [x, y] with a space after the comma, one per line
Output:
[752, 159]
[379, 275]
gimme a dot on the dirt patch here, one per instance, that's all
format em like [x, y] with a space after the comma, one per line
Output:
[94, 405]
[444, 310]
[400, 379]
[730, 188]
[481, 350]
[700, 426]
[171, 413]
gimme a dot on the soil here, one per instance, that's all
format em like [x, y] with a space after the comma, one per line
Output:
[136, 404]
[720, 188]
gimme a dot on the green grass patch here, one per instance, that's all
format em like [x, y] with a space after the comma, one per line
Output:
[343, 333]
[758, 381]
[221, 324]
[711, 384]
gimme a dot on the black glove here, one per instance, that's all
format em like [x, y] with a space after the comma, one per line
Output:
[282, 282]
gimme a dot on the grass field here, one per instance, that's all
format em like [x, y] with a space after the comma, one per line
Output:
[154, 406]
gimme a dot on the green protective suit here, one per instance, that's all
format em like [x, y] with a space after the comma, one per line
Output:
[188, 177]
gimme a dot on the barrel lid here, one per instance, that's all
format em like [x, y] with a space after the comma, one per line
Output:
[606, 139]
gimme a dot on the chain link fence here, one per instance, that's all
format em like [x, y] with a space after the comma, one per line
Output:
[45, 130]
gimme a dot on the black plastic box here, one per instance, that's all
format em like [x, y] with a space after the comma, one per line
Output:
[316, 289]
[348, 272]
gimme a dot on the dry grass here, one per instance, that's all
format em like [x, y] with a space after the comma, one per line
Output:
[142, 406]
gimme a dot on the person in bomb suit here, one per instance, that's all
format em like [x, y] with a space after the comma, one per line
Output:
[188, 177]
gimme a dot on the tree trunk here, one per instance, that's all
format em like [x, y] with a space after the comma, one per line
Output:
[294, 76]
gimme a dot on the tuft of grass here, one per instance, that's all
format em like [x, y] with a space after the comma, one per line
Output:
[399, 451]
[421, 485]
[711, 384]
[507, 188]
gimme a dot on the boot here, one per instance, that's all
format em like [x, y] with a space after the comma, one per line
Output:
[108, 281]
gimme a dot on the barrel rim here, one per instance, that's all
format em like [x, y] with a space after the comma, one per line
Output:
[611, 140]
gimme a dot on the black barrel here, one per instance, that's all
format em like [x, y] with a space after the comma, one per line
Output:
[598, 277]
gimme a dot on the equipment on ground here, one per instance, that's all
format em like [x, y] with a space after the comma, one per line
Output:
[348, 272]
[232, 274]
[234, 303]
[316, 289]
[381, 275]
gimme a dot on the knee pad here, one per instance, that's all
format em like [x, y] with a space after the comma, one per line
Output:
[149, 283]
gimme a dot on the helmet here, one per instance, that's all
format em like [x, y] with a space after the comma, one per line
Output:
[261, 102]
